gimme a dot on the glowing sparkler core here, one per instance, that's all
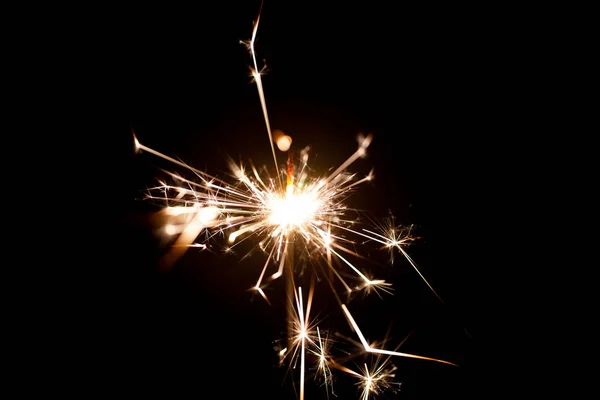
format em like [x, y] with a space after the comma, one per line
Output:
[293, 210]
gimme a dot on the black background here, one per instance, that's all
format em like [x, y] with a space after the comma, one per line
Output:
[432, 86]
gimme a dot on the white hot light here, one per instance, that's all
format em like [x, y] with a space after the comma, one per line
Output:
[292, 210]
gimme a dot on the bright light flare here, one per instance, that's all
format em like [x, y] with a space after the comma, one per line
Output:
[293, 211]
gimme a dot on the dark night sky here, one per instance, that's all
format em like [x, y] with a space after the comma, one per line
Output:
[423, 82]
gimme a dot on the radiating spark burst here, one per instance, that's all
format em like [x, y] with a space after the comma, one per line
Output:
[395, 238]
[380, 377]
[306, 212]
[309, 211]
[375, 380]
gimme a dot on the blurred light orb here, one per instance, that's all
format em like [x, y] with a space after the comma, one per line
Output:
[282, 140]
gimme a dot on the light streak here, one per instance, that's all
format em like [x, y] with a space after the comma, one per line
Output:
[370, 349]
[259, 86]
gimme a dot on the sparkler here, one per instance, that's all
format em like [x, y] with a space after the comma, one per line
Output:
[292, 210]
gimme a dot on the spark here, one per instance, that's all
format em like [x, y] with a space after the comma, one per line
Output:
[323, 366]
[376, 380]
[257, 78]
[302, 336]
[308, 213]
[396, 237]
[252, 208]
